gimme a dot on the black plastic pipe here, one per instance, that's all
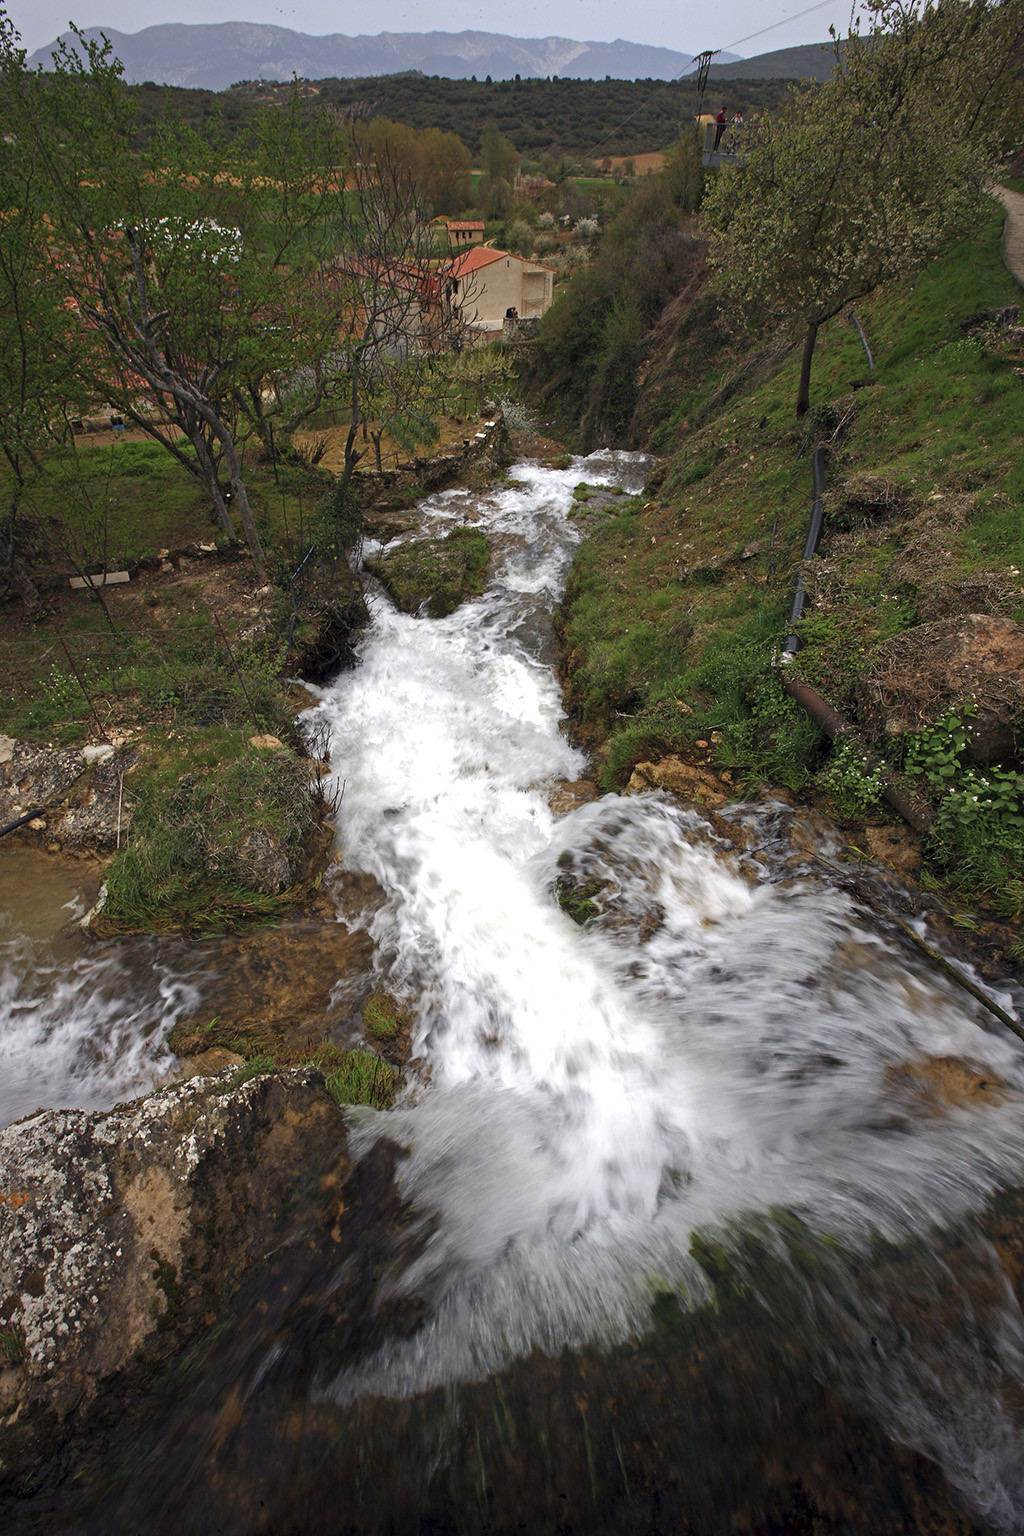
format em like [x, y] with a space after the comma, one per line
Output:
[792, 643]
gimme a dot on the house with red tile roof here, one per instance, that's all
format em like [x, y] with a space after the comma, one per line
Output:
[460, 233]
[495, 282]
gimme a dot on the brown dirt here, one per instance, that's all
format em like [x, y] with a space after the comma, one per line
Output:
[453, 430]
[644, 165]
[920, 672]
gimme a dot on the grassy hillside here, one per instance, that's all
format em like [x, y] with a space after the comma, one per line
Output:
[677, 604]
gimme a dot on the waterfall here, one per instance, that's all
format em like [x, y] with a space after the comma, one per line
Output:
[722, 1042]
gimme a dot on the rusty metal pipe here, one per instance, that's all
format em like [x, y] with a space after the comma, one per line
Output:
[915, 811]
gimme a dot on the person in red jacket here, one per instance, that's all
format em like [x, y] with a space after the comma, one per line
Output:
[720, 127]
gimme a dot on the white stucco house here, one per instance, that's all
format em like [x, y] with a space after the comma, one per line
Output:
[493, 282]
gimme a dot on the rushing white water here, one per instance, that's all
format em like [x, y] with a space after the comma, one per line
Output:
[719, 1043]
[82, 1025]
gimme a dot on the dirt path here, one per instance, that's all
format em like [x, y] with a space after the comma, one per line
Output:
[1013, 238]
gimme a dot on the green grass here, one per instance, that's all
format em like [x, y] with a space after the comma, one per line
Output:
[384, 1019]
[192, 862]
[120, 502]
[670, 631]
[350, 1076]
[162, 660]
[363, 1078]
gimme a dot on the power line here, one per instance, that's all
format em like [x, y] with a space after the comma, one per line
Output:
[820, 5]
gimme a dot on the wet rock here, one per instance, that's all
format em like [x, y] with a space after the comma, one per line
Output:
[919, 674]
[567, 795]
[435, 574]
[385, 525]
[121, 1234]
[933, 1084]
[280, 991]
[692, 782]
[209, 1063]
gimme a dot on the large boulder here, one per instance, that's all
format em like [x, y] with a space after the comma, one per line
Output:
[975, 661]
[434, 574]
[123, 1234]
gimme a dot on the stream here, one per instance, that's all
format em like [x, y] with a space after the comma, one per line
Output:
[701, 1202]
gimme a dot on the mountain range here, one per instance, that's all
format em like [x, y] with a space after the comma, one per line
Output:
[218, 55]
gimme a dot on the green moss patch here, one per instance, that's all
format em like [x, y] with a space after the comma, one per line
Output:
[193, 861]
[435, 575]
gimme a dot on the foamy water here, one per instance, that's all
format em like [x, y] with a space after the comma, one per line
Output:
[82, 1024]
[719, 1044]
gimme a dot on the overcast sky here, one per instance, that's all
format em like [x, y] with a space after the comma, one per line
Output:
[688, 28]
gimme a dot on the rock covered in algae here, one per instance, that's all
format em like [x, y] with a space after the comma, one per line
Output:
[434, 574]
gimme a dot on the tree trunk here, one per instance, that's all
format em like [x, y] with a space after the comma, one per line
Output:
[211, 481]
[351, 456]
[13, 574]
[242, 500]
[803, 393]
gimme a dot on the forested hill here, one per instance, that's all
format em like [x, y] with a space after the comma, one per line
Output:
[575, 118]
[572, 117]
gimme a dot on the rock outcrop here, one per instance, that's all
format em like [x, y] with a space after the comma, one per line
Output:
[79, 796]
[434, 574]
[692, 782]
[122, 1235]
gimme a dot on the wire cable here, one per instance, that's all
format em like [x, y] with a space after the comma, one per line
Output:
[663, 85]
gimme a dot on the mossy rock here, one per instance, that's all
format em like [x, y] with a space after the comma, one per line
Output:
[435, 574]
[388, 1025]
[578, 898]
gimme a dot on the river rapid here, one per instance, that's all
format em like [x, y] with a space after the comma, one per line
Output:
[699, 1198]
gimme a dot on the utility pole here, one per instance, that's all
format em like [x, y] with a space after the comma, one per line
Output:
[703, 63]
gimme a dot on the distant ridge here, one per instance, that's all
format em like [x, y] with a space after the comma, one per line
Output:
[216, 56]
[811, 61]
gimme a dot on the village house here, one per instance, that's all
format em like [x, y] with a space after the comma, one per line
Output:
[530, 187]
[494, 282]
[458, 233]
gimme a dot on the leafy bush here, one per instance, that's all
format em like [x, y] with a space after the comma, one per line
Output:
[592, 339]
[854, 788]
[978, 833]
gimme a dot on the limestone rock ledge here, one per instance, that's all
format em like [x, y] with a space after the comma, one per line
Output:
[123, 1233]
[82, 798]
